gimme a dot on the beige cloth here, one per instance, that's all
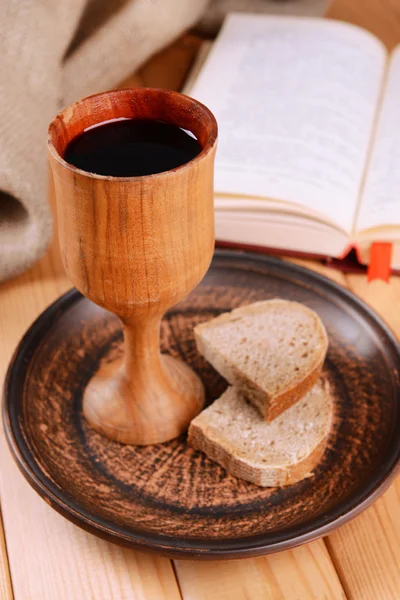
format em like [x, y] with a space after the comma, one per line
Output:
[35, 81]
[53, 52]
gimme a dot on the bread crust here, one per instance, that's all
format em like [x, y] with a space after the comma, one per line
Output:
[239, 467]
[270, 406]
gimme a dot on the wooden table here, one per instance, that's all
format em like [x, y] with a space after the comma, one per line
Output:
[44, 557]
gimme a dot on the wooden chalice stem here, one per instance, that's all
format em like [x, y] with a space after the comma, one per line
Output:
[142, 346]
[145, 396]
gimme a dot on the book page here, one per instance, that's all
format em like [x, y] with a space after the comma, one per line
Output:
[295, 100]
[380, 202]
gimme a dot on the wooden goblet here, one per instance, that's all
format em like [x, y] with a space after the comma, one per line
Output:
[135, 246]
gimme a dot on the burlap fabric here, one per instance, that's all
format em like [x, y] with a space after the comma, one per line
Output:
[53, 52]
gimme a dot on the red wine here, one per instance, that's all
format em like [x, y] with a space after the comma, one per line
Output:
[131, 147]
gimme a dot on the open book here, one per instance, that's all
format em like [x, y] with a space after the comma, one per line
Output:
[309, 147]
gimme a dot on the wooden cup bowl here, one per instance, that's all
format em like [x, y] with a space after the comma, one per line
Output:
[136, 246]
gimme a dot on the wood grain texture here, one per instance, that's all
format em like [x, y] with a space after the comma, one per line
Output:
[136, 246]
[20, 302]
[167, 69]
[303, 573]
[5, 578]
[59, 561]
[380, 17]
[334, 274]
[64, 563]
[366, 552]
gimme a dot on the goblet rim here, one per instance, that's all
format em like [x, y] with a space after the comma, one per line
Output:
[211, 141]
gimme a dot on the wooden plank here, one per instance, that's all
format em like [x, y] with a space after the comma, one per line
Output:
[5, 579]
[380, 17]
[304, 573]
[320, 268]
[395, 285]
[383, 297]
[168, 68]
[366, 551]
[50, 558]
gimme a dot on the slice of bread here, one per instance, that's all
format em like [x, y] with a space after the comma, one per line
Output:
[272, 351]
[234, 434]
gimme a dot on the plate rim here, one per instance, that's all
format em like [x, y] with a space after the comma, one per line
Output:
[172, 546]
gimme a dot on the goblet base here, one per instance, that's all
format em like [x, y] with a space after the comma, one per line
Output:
[143, 409]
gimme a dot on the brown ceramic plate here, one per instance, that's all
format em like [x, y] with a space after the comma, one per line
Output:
[168, 498]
